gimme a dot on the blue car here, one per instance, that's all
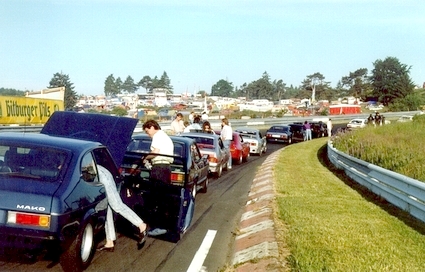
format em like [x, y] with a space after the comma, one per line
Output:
[51, 197]
[172, 204]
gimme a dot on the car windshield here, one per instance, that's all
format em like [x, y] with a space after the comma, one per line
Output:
[34, 162]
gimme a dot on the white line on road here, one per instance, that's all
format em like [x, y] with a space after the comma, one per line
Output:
[202, 252]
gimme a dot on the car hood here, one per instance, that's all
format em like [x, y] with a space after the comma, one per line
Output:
[112, 131]
[34, 196]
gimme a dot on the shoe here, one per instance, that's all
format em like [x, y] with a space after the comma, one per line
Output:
[106, 249]
[156, 232]
[142, 237]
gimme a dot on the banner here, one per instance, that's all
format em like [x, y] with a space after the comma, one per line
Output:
[27, 111]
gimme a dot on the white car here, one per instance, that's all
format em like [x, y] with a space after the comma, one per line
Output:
[405, 118]
[257, 142]
[357, 123]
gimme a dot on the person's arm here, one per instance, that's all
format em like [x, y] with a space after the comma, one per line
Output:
[151, 156]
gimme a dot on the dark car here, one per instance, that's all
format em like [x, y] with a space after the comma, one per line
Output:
[174, 202]
[51, 197]
[318, 129]
[279, 133]
[297, 132]
[239, 149]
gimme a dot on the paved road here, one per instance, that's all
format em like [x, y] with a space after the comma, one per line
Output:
[218, 211]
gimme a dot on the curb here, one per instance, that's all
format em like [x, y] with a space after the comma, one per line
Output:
[256, 247]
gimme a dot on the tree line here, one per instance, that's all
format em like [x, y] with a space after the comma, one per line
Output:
[388, 83]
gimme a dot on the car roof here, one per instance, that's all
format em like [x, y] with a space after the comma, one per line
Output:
[112, 131]
[246, 130]
[47, 140]
[199, 134]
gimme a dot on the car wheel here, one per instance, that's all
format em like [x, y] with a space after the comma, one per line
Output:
[240, 159]
[219, 171]
[205, 186]
[79, 255]
[247, 157]
[289, 140]
[265, 149]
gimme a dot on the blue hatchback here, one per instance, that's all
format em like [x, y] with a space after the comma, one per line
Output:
[51, 197]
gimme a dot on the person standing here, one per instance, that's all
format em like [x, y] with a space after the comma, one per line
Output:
[307, 129]
[191, 117]
[115, 203]
[329, 127]
[161, 169]
[204, 116]
[226, 136]
[177, 126]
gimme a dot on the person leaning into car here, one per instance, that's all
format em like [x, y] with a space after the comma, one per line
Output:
[226, 136]
[115, 203]
[161, 169]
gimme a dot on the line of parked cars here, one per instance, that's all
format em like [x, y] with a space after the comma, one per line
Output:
[294, 132]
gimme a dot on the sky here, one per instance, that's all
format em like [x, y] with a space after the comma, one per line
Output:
[197, 43]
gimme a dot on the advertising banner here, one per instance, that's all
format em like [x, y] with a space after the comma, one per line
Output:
[27, 111]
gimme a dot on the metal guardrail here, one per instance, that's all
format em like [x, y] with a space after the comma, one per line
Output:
[406, 193]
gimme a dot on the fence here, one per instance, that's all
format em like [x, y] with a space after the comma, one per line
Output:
[404, 192]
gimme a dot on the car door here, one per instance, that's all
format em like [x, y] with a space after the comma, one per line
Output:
[224, 156]
[200, 165]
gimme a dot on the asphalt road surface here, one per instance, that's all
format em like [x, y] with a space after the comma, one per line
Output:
[210, 237]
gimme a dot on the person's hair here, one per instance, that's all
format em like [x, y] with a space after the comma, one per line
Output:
[186, 123]
[225, 120]
[206, 123]
[196, 119]
[151, 123]
[305, 122]
[179, 115]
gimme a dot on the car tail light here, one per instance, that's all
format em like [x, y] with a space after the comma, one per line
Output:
[28, 219]
[254, 144]
[212, 159]
[177, 177]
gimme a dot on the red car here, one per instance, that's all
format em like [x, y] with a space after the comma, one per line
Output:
[238, 148]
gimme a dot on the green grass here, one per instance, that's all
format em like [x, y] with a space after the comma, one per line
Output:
[399, 147]
[332, 224]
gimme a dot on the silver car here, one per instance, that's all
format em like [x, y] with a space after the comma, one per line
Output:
[257, 142]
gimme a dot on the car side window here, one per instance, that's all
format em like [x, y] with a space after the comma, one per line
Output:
[195, 152]
[88, 169]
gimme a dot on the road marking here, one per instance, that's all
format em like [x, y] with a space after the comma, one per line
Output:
[201, 254]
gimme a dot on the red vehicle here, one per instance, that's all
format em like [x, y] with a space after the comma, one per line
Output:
[239, 149]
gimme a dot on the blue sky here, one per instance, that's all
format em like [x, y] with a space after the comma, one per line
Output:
[200, 42]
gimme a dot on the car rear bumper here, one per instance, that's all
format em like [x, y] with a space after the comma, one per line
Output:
[26, 238]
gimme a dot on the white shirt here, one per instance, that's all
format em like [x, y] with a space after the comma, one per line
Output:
[177, 126]
[226, 133]
[163, 142]
[192, 126]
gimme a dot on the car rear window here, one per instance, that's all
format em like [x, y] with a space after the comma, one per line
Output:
[43, 163]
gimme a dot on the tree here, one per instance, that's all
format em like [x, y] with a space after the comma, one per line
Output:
[357, 84]
[129, 86]
[110, 86]
[222, 88]
[11, 92]
[146, 83]
[165, 82]
[118, 85]
[390, 80]
[279, 89]
[62, 80]
[316, 87]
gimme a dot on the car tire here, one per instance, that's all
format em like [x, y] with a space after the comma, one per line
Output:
[219, 171]
[265, 149]
[205, 186]
[240, 159]
[81, 251]
[247, 157]
[289, 140]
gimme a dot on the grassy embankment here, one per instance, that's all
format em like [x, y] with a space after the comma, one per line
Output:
[325, 222]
